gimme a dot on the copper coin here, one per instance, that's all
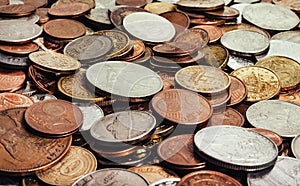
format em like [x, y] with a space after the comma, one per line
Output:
[192, 15]
[207, 21]
[69, 9]
[225, 13]
[17, 10]
[91, 3]
[50, 45]
[4, 2]
[179, 151]
[37, 4]
[180, 20]
[137, 3]
[175, 106]
[54, 117]
[13, 100]
[11, 80]
[238, 91]
[176, 48]
[183, 61]
[43, 15]
[23, 152]
[227, 117]
[214, 32]
[138, 50]
[20, 49]
[198, 37]
[64, 28]
[291, 96]
[219, 101]
[207, 177]
[276, 138]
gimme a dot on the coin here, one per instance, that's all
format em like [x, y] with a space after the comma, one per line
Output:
[69, 9]
[175, 105]
[287, 70]
[4, 2]
[37, 4]
[238, 91]
[124, 79]
[260, 82]
[175, 49]
[136, 3]
[201, 6]
[138, 50]
[14, 62]
[77, 163]
[208, 177]
[11, 80]
[293, 5]
[258, 153]
[24, 152]
[149, 27]
[64, 28]
[118, 14]
[219, 101]
[214, 32]
[91, 3]
[41, 97]
[13, 100]
[291, 96]
[235, 62]
[284, 48]
[99, 16]
[182, 61]
[270, 17]
[159, 7]
[292, 36]
[286, 167]
[207, 21]
[226, 13]
[180, 20]
[196, 36]
[215, 55]
[54, 117]
[275, 115]
[112, 176]
[270, 134]
[227, 117]
[166, 182]
[17, 10]
[24, 49]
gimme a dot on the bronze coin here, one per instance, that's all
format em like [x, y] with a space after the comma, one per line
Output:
[11, 80]
[227, 117]
[225, 13]
[276, 138]
[136, 3]
[43, 15]
[69, 9]
[207, 21]
[37, 4]
[54, 117]
[20, 49]
[197, 36]
[183, 61]
[214, 32]
[182, 106]
[191, 14]
[238, 91]
[64, 28]
[179, 151]
[168, 80]
[208, 177]
[291, 96]
[291, 4]
[180, 20]
[176, 48]
[22, 152]
[17, 10]
[13, 100]
[49, 45]
[138, 50]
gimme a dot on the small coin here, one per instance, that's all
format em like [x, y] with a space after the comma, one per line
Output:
[69, 9]
[13, 100]
[207, 21]
[276, 138]
[159, 7]
[11, 80]
[220, 100]
[24, 49]
[214, 32]
[17, 10]
[227, 117]
[238, 91]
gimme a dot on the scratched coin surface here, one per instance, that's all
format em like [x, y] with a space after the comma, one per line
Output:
[13, 100]
[112, 176]
[11, 80]
[77, 163]
[124, 79]
[258, 152]
[175, 106]
[285, 173]
[23, 152]
[279, 116]
[54, 117]
[261, 83]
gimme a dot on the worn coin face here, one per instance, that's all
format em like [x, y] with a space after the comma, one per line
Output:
[11, 80]
[201, 5]
[24, 152]
[261, 83]
[258, 152]
[69, 9]
[279, 116]
[292, 36]
[227, 117]
[238, 91]
[13, 100]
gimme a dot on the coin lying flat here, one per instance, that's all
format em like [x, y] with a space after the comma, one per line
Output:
[238, 91]
[284, 48]
[216, 55]
[227, 13]
[17, 10]
[293, 5]
[292, 36]
[11, 80]
[276, 138]
[13, 100]
[227, 117]
[180, 20]
[279, 116]
[166, 181]
[244, 26]
[14, 62]
[251, 152]
[69, 9]
[201, 5]
[159, 7]
[23, 49]
[214, 32]
[296, 147]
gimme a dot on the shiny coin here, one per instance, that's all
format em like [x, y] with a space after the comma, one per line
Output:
[219, 101]
[270, 17]
[159, 7]
[258, 152]
[284, 48]
[270, 134]
[227, 117]
[42, 97]
[201, 5]
[275, 115]
[292, 36]
[175, 49]
[261, 83]
[284, 173]
[296, 147]
[226, 13]
[69, 9]
[180, 20]
[17, 10]
[149, 27]
[42, 13]
[54, 117]
[214, 32]
[13, 100]
[137, 51]
[77, 163]
[207, 21]
[112, 176]
[17, 31]
[24, 49]
[216, 55]
[11, 80]
[166, 182]
[24, 152]
[124, 79]
[238, 91]
[99, 16]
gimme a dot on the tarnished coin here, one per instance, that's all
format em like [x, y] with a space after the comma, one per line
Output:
[284, 48]
[159, 7]
[175, 106]
[208, 177]
[11, 80]
[166, 182]
[201, 5]
[292, 36]
[203, 79]
[238, 91]
[180, 20]
[17, 31]
[293, 5]
[13, 100]
[261, 83]
[136, 3]
[216, 55]
[284, 173]
[252, 152]
[54, 117]
[124, 127]
[23, 49]
[214, 32]
[24, 152]
[270, 17]
[69, 9]
[296, 147]
[279, 116]
[124, 79]
[226, 13]
[227, 117]
[112, 176]
[17, 10]
[77, 163]
[270, 134]
[291, 96]
[287, 70]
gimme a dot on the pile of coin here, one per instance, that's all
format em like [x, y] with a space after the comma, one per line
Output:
[175, 92]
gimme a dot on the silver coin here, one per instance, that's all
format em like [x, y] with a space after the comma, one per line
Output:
[99, 15]
[113, 177]
[284, 48]
[240, 7]
[286, 172]
[278, 116]
[166, 182]
[124, 79]
[235, 62]
[42, 97]
[296, 146]
[291, 36]
[17, 31]
[235, 148]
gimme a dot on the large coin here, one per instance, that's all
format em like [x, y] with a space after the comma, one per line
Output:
[23, 152]
[245, 149]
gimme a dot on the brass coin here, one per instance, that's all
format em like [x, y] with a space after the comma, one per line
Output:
[11, 80]
[207, 21]
[14, 100]
[145, 57]
[77, 163]
[17, 10]
[24, 49]
[69, 9]
[159, 7]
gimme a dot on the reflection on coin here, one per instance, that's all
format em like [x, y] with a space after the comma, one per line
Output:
[279, 116]
[292, 36]
[235, 62]
[284, 48]
[11, 80]
[227, 117]
[13, 100]
[296, 147]
[291, 96]
[251, 152]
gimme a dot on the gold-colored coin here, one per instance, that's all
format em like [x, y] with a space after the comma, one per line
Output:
[216, 55]
[287, 70]
[261, 82]
[77, 163]
[159, 7]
